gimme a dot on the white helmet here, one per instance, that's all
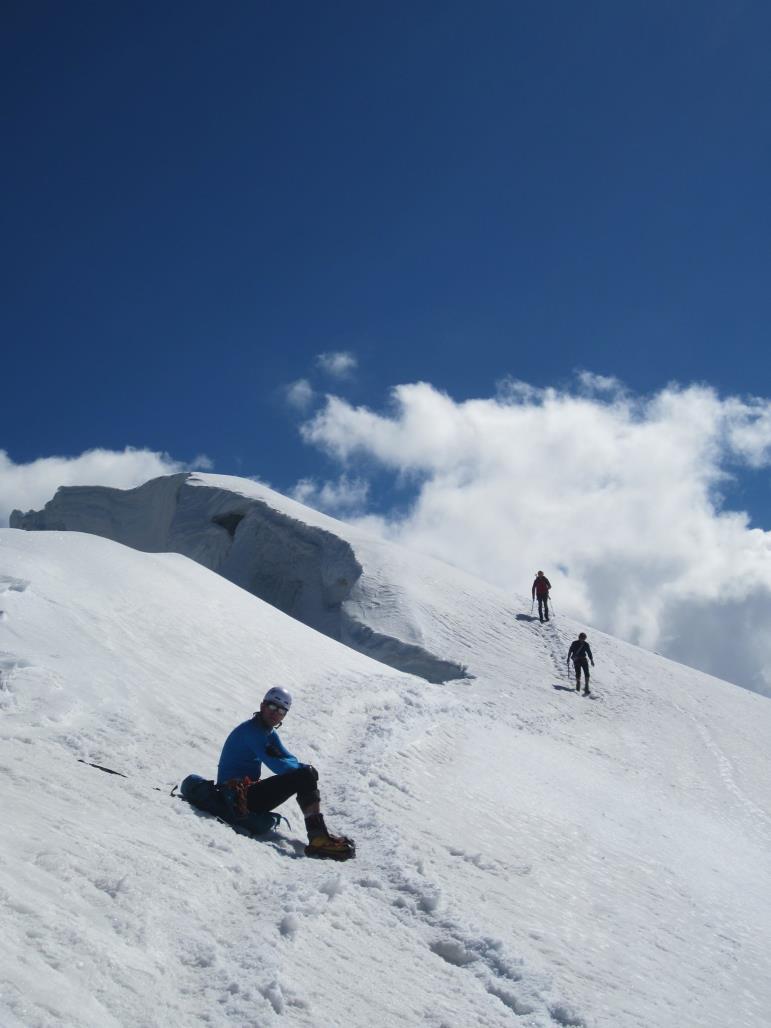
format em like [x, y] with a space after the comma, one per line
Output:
[278, 695]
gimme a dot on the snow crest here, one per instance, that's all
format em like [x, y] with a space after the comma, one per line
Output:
[304, 570]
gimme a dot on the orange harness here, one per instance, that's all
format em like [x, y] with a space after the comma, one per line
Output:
[240, 787]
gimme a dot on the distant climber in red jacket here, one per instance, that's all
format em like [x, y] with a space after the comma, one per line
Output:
[541, 587]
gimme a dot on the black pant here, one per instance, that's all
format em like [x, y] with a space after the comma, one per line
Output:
[543, 606]
[269, 793]
[578, 664]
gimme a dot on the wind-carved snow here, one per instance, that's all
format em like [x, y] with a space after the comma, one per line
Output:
[303, 569]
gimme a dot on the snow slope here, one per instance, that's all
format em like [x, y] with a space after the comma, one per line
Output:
[526, 856]
[296, 559]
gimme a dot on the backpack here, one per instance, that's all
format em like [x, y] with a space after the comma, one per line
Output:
[579, 652]
[222, 801]
[542, 586]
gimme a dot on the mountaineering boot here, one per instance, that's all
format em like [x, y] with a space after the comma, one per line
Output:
[325, 846]
[578, 687]
[331, 847]
[586, 690]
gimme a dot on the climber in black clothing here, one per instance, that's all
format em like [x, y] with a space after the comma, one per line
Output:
[579, 651]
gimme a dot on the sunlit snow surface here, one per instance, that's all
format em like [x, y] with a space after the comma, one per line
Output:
[526, 856]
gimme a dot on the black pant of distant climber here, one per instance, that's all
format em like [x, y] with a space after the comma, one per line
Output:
[543, 607]
[583, 663]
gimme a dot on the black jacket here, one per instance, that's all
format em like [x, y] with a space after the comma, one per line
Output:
[579, 649]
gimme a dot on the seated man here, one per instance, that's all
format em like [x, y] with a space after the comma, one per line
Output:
[256, 742]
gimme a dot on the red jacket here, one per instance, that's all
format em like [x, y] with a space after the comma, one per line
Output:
[541, 585]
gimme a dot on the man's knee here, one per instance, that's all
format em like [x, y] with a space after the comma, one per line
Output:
[307, 786]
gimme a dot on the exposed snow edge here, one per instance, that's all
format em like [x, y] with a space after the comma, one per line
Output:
[303, 570]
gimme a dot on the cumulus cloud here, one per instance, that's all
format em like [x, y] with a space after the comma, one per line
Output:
[30, 486]
[300, 394]
[340, 364]
[344, 497]
[618, 498]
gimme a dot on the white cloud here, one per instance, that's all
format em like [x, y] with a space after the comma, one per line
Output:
[340, 364]
[300, 394]
[599, 383]
[30, 486]
[621, 493]
[750, 432]
[346, 496]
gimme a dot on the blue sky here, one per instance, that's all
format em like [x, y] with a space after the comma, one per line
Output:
[203, 199]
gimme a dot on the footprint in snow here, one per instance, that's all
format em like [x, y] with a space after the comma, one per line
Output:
[12, 585]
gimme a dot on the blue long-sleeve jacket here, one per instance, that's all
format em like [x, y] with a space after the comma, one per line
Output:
[249, 746]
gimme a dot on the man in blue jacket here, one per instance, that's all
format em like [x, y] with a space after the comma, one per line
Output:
[255, 742]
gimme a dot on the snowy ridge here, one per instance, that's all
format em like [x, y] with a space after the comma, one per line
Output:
[284, 553]
[526, 856]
